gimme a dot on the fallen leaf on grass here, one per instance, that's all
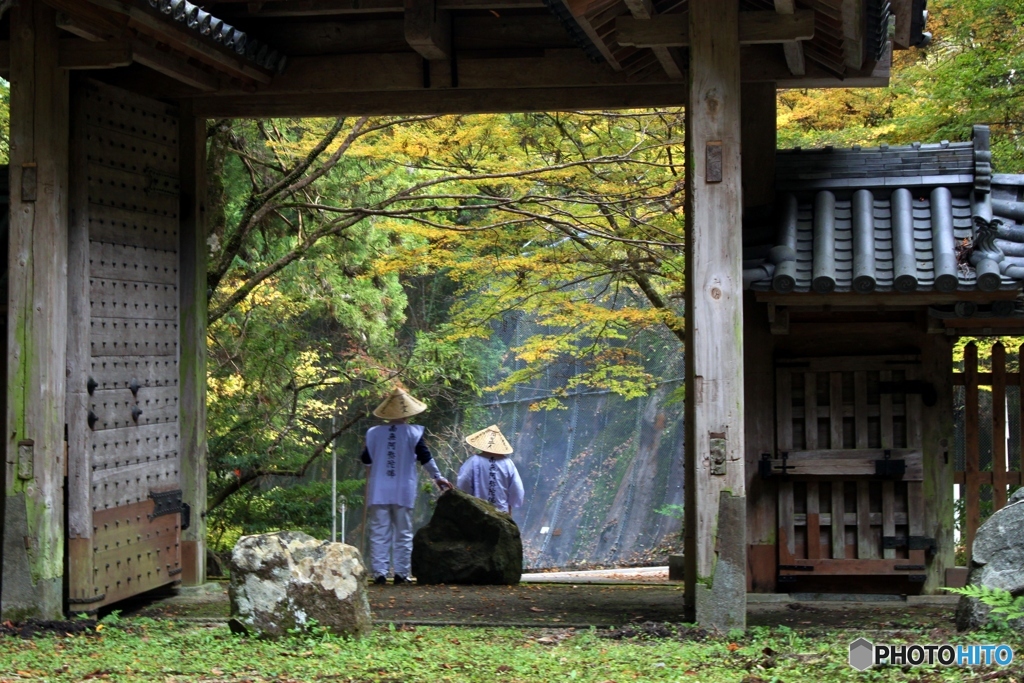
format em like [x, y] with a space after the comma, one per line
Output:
[536, 609]
[547, 640]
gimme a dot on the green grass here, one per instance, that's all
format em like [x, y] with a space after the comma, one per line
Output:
[148, 650]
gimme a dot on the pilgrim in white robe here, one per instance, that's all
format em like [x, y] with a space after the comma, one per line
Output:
[392, 451]
[493, 478]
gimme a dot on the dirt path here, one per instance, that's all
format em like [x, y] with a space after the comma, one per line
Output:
[563, 605]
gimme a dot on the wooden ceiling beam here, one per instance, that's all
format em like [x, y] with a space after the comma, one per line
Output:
[88, 21]
[581, 11]
[667, 57]
[853, 33]
[174, 67]
[85, 54]
[756, 28]
[321, 8]
[145, 20]
[404, 71]
[77, 54]
[457, 101]
[793, 49]
[428, 29]
[469, 33]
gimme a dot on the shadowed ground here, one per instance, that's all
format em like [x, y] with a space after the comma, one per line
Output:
[563, 605]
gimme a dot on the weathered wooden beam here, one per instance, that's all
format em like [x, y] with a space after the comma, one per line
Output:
[333, 79]
[667, 57]
[761, 63]
[404, 71]
[145, 20]
[715, 503]
[88, 21]
[320, 8]
[175, 67]
[33, 516]
[669, 30]
[428, 29]
[455, 101]
[901, 10]
[853, 33]
[793, 50]
[579, 11]
[83, 54]
[469, 33]
[192, 361]
[79, 55]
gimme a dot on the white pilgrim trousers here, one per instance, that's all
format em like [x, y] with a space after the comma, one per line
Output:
[390, 539]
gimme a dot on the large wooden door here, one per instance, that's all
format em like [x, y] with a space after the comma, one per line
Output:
[849, 467]
[124, 498]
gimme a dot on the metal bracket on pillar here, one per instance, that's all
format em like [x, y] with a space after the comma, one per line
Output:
[713, 150]
[717, 451]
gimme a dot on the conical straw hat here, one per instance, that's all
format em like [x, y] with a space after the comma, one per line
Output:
[490, 440]
[398, 405]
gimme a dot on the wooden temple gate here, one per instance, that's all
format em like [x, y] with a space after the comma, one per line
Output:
[107, 296]
[985, 478]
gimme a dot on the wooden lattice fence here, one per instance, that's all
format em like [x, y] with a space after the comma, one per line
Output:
[989, 468]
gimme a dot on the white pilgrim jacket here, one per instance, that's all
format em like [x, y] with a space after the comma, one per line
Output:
[392, 451]
[495, 479]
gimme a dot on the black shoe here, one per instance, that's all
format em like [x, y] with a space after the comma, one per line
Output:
[381, 580]
[399, 580]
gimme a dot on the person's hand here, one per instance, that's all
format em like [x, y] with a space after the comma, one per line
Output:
[443, 484]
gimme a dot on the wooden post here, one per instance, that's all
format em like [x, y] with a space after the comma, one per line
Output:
[715, 555]
[972, 468]
[758, 139]
[33, 521]
[192, 363]
[759, 418]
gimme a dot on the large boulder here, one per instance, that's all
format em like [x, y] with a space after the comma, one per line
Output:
[283, 580]
[997, 561]
[467, 541]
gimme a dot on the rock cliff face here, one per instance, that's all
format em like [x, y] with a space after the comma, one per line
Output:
[997, 561]
[284, 580]
[467, 541]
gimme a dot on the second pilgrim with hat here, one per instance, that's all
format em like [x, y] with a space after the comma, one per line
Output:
[392, 451]
[491, 474]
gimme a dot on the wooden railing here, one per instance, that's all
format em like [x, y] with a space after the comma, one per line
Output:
[999, 476]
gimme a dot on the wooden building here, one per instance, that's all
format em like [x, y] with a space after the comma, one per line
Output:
[104, 477]
[874, 262]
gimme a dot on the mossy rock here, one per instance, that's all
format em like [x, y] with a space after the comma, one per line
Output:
[467, 542]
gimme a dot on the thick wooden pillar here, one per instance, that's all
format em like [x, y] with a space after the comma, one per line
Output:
[192, 363]
[33, 521]
[715, 554]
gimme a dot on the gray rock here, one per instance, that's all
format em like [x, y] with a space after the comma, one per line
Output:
[1016, 497]
[283, 580]
[467, 541]
[997, 561]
